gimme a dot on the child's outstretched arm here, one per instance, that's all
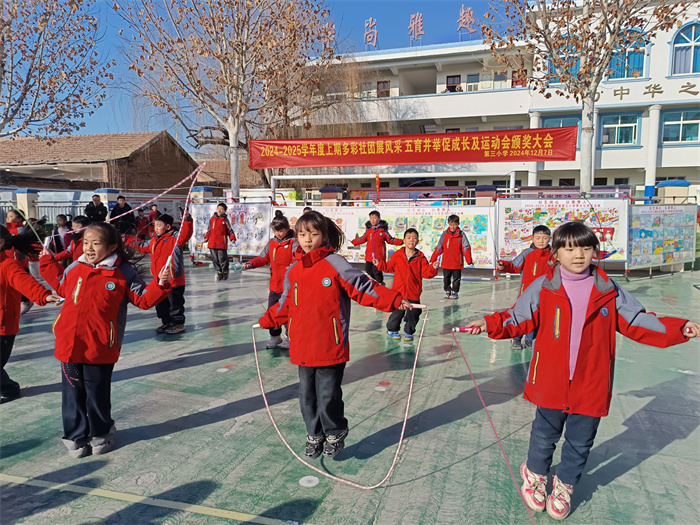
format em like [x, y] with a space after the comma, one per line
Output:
[522, 318]
[278, 313]
[141, 246]
[364, 290]
[467, 249]
[146, 296]
[52, 272]
[261, 260]
[186, 229]
[360, 240]
[635, 322]
[514, 266]
[28, 286]
[438, 248]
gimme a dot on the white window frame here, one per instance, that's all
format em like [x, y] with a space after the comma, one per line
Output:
[680, 122]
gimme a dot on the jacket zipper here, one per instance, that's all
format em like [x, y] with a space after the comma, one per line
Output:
[53, 326]
[111, 334]
[534, 368]
[76, 290]
[335, 331]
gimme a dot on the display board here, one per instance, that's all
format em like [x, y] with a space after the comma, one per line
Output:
[661, 234]
[518, 217]
[250, 223]
[430, 221]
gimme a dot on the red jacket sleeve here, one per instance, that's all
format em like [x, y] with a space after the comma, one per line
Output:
[278, 313]
[468, 256]
[27, 285]
[508, 267]
[263, 259]
[146, 297]
[438, 249]
[52, 272]
[393, 240]
[387, 266]
[360, 240]
[185, 232]
[427, 270]
[141, 246]
[365, 291]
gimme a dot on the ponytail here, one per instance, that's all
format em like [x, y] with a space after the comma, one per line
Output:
[280, 222]
[24, 242]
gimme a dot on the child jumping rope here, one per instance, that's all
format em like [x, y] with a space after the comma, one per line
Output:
[217, 237]
[376, 237]
[15, 281]
[90, 329]
[279, 254]
[579, 309]
[531, 262]
[318, 287]
[455, 249]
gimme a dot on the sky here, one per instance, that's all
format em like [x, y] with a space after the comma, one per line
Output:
[121, 113]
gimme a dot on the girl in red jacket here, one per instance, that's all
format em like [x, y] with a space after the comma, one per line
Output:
[531, 262]
[410, 267]
[279, 254]
[75, 249]
[15, 281]
[376, 237]
[90, 329]
[315, 302]
[570, 379]
[455, 249]
[217, 237]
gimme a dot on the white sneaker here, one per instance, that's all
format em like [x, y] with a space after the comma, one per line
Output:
[559, 501]
[534, 489]
[26, 306]
[103, 444]
[274, 342]
[285, 344]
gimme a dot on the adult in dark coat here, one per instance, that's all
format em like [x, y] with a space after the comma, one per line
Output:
[124, 224]
[96, 211]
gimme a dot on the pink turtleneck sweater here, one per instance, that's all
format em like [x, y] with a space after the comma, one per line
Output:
[578, 288]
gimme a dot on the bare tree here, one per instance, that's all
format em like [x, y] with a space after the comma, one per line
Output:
[50, 73]
[574, 43]
[229, 70]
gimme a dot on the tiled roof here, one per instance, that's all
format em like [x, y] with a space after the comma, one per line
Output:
[76, 148]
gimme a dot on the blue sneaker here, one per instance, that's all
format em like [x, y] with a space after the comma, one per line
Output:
[394, 335]
[408, 337]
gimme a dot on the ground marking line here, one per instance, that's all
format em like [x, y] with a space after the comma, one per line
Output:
[134, 498]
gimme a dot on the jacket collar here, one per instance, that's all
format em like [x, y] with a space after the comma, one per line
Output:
[402, 251]
[290, 235]
[547, 248]
[109, 263]
[311, 258]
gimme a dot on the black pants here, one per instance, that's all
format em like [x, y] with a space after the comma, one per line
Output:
[171, 310]
[220, 259]
[374, 272]
[412, 316]
[86, 401]
[272, 298]
[451, 279]
[8, 387]
[321, 399]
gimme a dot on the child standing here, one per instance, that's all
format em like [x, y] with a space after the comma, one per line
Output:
[455, 249]
[166, 241]
[279, 254]
[318, 287]
[410, 267]
[571, 372]
[141, 225]
[217, 237]
[97, 288]
[376, 237]
[532, 262]
[14, 282]
[58, 235]
[152, 216]
[75, 248]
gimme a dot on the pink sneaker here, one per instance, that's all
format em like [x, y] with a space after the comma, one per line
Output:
[559, 501]
[534, 489]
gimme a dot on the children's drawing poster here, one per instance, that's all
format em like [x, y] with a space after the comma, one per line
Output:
[606, 217]
[430, 221]
[250, 223]
[661, 234]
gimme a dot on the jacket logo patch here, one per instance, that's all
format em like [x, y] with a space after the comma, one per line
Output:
[110, 286]
[604, 311]
[326, 282]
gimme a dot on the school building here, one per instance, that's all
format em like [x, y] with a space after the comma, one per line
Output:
[646, 113]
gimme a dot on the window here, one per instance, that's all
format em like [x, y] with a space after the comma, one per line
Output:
[621, 180]
[383, 184]
[500, 183]
[628, 63]
[500, 128]
[473, 82]
[367, 90]
[470, 183]
[600, 181]
[619, 130]
[564, 122]
[382, 133]
[366, 184]
[471, 129]
[383, 88]
[454, 83]
[659, 179]
[686, 50]
[500, 81]
[451, 183]
[567, 182]
[452, 130]
[569, 61]
[681, 127]
[545, 182]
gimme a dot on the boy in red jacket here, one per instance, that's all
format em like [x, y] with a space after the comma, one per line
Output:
[410, 267]
[532, 262]
[376, 237]
[141, 225]
[166, 241]
[217, 237]
[455, 250]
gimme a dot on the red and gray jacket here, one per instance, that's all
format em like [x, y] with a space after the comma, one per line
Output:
[544, 305]
[316, 304]
[16, 228]
[160, 248]
[279, 254]
[455, 250]
[90, 327]
[408, 273]
[219, 233]
[14, 283]
[532, 262]
[376, 238]
[74, 250]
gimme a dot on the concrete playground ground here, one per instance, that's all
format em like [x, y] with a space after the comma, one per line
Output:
[195, 444]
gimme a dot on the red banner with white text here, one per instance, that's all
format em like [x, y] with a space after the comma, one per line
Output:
[512, 145]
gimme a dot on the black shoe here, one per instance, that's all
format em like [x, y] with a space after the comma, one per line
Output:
[314, 446]
[163, 328]
[335, 444]
[225, 276]
[11, 397]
